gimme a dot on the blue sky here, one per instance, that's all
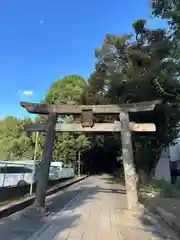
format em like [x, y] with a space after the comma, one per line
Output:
[42, 41]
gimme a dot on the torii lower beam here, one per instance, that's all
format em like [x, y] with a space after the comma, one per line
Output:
[98, 127]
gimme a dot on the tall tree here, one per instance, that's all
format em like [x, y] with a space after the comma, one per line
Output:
[169, 10]
[66, 89]
[135, 71]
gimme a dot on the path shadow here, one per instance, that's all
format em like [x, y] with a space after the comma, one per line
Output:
[24, 224]
[112, 190]
[111, 179]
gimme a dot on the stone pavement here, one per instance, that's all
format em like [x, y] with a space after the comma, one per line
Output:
[95, 212]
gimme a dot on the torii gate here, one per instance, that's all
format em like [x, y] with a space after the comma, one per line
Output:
[88, 125]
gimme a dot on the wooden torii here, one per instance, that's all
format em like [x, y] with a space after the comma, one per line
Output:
[87, 124]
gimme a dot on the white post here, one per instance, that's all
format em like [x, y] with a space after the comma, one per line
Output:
[4, 176]
[79, 164]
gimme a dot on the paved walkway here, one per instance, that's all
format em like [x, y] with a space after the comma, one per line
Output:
[95, 212]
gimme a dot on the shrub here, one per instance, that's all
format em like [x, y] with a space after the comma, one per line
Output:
[160, 188]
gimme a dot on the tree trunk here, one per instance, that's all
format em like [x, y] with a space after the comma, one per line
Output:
[153, 167]
[143, 177]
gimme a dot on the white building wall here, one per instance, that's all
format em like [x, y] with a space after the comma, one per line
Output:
[172, 153]
[163, 167]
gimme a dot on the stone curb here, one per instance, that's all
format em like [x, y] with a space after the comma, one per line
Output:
[167, 218]
[27, 201]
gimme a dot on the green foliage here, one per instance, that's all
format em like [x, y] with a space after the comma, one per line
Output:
[160, 188]
[139, 26]
[66, 90]
[128, 71]
[67, 145]
[15, 142]
[169, 10]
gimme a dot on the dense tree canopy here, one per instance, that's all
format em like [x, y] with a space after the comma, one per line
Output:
[169, 10]
[139, 70]
[129, 68]
[15, 142]
[66, 90]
